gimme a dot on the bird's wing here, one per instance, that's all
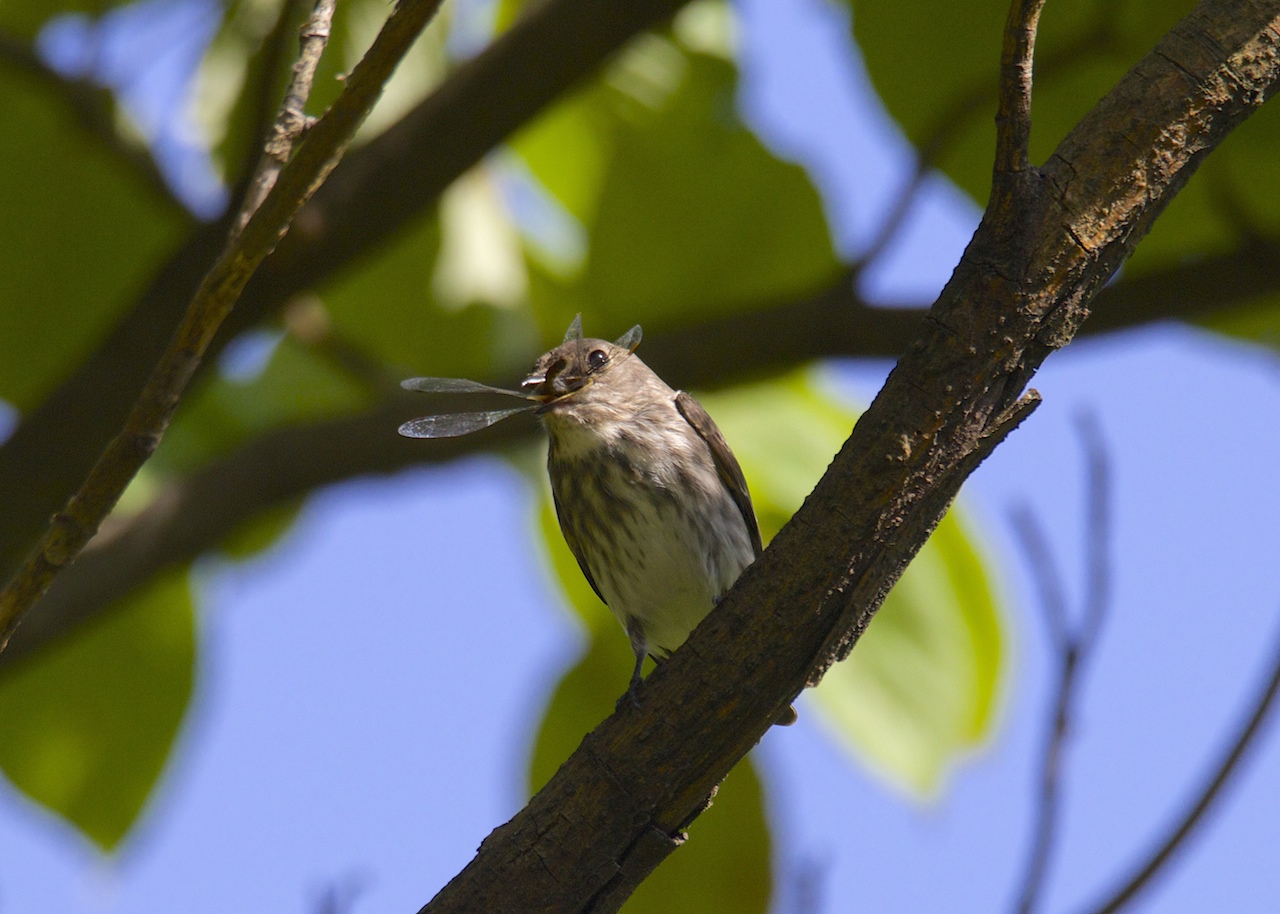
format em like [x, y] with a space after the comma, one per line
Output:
[576, 549]
[726, 463]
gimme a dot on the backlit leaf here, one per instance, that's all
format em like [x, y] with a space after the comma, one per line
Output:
[88, 724]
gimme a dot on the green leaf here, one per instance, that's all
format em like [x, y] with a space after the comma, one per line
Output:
[389, 311]
[261, 532]
[89, 723]
[1258, 322]
[686, 215]
[724, 867]
[921, 687]
[72, 250]
[1082, 49]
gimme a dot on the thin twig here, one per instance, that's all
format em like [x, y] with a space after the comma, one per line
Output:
[1194, 814]
[960, 110]
[1073, 643]
[294, 184]
[1052, 592]
[1013, 106]
[1098, 523]
[292, 119]
[264, 97]
[94, 109]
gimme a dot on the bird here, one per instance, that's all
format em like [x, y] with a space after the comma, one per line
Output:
[650, 498]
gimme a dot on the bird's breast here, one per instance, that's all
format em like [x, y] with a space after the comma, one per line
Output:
[656, 527]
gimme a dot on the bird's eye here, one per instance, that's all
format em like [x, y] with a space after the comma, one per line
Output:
[597, 358]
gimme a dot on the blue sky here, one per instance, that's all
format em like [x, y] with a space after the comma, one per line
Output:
[327, 746]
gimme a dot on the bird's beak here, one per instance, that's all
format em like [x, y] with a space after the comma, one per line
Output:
[550, 385]
[536, 388]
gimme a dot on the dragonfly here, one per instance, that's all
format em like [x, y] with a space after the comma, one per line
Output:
[457, 424]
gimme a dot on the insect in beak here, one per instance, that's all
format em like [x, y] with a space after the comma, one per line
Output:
[452, 425]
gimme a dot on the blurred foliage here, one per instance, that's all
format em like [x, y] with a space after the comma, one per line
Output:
[679, 209]
[88, 728]
[642, 196]
[96, 220]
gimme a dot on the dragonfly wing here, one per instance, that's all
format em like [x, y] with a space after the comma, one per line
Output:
[453, 425]
[456, 386]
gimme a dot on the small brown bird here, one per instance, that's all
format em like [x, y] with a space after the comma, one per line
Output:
[650, 499]
[649, 496]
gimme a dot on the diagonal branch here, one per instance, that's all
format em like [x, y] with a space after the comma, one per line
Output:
[218, 292]
[291, 120]
[377, 189]
[620, 803]
[262, 91]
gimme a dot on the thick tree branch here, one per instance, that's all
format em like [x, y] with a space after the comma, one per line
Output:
[218, 292]
[196, 514]
[618, 806]
[375, 191]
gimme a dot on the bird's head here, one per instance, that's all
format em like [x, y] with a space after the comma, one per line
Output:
[576, 364]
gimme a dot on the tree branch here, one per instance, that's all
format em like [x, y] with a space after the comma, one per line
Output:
[292, 118]
[375, 191]
[218, 292]
[197, 513]
[262, 91]
[619, 805]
